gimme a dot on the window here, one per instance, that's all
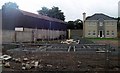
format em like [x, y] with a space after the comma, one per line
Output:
[19, 29]
[112, 32]
[94, 32]
[112, 23]
[107, 23]
[89, 33]
[92, 23]
[107, 32]
[101, 24]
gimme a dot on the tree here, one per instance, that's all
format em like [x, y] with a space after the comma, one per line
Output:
[54, 12]
[70, 25]
[118, 23]
[77, 24]
[10, 5]
[44, 11]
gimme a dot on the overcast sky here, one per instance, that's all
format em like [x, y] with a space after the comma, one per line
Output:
[72, 9]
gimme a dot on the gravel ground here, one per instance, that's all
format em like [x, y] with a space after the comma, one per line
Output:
[64, 61]
[82, 61]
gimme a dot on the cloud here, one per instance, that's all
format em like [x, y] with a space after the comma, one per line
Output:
[72, 9]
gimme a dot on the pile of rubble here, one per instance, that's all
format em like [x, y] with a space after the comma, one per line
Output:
[69, 41]
[47, 61]
[26, 63]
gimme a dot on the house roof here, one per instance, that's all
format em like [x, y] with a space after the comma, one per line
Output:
[98, 16]
[41, 16]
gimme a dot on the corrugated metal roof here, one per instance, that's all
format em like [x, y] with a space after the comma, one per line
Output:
[19, 18]
[41, 16]
[98, 16]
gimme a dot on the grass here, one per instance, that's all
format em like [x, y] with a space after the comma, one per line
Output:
[113, 39]
[8, 47]
[49, 42]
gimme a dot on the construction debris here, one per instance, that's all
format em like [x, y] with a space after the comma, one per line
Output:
[36, 64]
[18, 60]
[25, 59]
[7, 65]
[40, 66]
[23, 68]
[27, 66]
[5, 57]
[49, 65]
[63, 60]
[23, 64]
[79, 62]
[78, 66]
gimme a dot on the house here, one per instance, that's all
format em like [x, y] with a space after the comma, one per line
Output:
[99, 26]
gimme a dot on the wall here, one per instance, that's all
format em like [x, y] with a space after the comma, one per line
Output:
[23, 36]
[8, 36]
[29, 35]
[74, 34]
[90, 26]
[111, 26]
[45, 34]
[12, 36]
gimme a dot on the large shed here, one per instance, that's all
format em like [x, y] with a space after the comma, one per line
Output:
[39, 26]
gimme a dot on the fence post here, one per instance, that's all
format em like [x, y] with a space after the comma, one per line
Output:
[15, 36]
[107, 59]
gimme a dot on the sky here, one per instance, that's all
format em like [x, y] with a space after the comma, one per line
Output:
[73, 9]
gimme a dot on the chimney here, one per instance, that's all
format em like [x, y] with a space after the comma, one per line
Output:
[84, 16]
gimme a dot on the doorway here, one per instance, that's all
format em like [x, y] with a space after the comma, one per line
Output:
[101, 33]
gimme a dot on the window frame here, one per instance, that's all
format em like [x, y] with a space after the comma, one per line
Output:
[107, 32]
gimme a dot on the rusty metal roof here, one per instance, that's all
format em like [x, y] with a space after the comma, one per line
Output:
[40, 16]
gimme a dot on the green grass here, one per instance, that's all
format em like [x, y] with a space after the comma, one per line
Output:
[8, 47]
[103, 38]
[49, 42]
